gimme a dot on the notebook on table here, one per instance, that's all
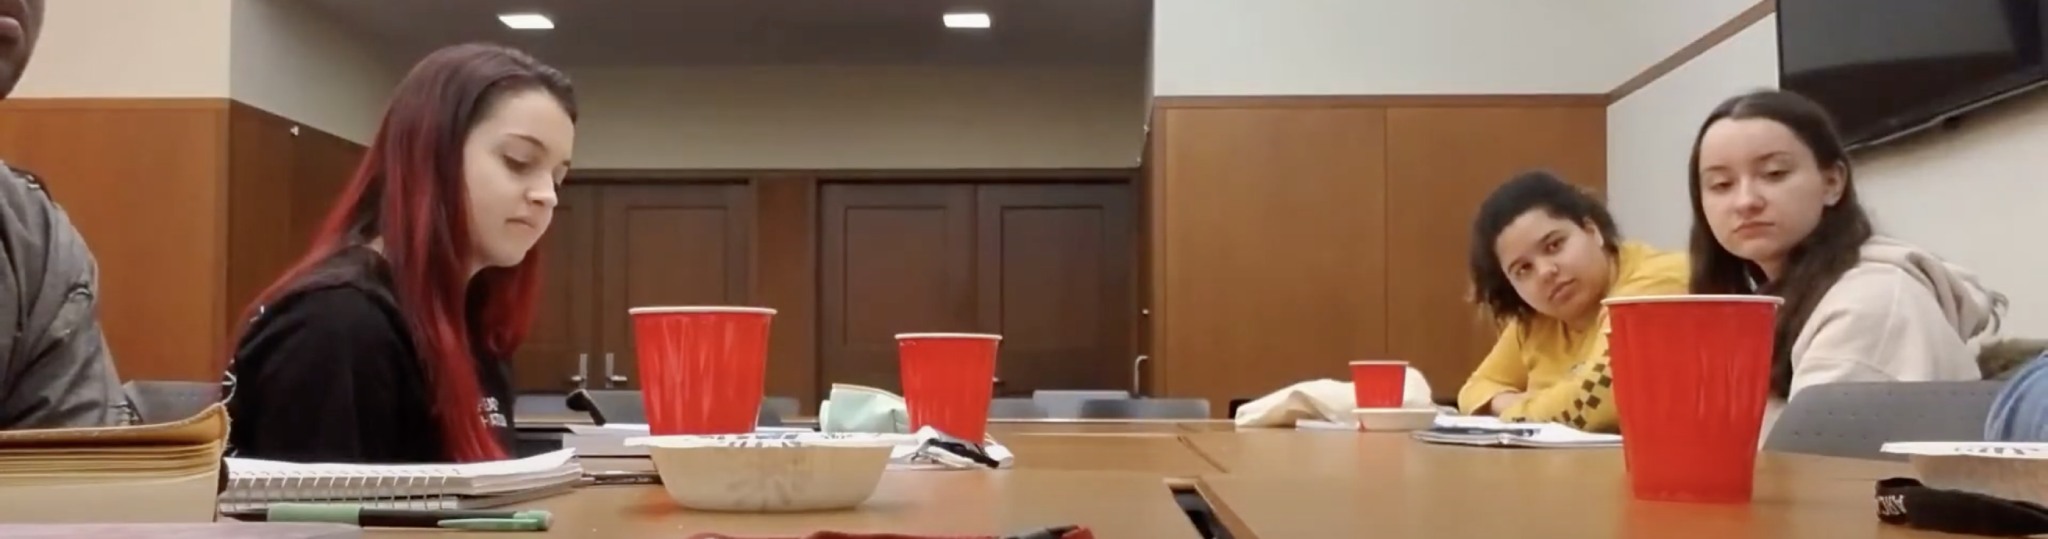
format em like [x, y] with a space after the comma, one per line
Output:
[162, 473]
[1491, 431]
[254, 484]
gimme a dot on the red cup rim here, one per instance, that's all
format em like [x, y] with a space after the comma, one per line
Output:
[984, 336]
[1380, 362]
[1695, 298]
[700, 309]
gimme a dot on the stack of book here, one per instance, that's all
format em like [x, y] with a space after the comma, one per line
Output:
[162, 473]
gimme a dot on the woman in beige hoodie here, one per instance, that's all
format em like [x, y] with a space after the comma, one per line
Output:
[1774, 212]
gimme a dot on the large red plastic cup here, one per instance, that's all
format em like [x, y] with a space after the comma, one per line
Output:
[947, 381]
[702, 369]
[1691, 375]
[1379, 384]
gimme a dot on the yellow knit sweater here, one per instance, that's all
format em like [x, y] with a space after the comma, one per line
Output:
[1562, 367]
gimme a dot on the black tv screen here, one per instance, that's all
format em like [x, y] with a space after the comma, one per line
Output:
[1884, 67]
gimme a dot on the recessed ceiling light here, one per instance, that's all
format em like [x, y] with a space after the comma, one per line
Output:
[967, 20]
[527, 21]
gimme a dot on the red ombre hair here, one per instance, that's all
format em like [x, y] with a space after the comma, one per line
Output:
[409, 191]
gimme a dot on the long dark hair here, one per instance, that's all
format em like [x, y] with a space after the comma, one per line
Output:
[409, 191]
[1817, 261]
[1527, 191]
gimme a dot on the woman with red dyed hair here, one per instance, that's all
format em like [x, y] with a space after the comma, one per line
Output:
[387, 341]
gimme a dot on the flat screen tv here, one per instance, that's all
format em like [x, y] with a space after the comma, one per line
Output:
[1886, 68]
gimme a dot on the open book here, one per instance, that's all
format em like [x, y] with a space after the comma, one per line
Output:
[1491, 431]
[163, 473]
[254, 484]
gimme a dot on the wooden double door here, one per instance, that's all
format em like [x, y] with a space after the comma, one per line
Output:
[1050, 267]
[616, 246]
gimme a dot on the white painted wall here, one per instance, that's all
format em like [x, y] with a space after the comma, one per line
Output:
[130, 49]
[1334, 47]
[293, 62]
[1973, 195]
[1649, 133]
[1654, 29]
[1978, 196]
[860, 117]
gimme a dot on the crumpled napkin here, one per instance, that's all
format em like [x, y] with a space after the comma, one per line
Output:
[862, 409]
[1322, 400]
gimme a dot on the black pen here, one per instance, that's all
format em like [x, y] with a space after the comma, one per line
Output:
[608, 478]
[1466, 431]
[368, 517]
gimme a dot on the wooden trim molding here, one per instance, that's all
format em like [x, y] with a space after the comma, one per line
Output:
[1713, 38]
[280, 119]
[1376, 101]
[115, 103]
[948, 175]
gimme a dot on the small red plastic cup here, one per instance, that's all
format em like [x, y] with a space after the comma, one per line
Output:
[947, 381]
[702, 369]
[1691, 375]
[1379, 384]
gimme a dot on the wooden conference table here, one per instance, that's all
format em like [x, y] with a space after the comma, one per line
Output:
[1115, 477]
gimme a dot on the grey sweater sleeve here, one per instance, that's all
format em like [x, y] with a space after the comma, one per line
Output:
[55, 370]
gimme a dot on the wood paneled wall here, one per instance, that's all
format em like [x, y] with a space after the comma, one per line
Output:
[1281, 237]
[142, 180]
[185, 203]
[1291, 235]
[282, 179]
[1041, 248]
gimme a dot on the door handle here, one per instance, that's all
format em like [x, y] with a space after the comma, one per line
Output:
[582, 367]
[611, 377]
[1138, 375]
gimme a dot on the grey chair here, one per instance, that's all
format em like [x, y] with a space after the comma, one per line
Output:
[625, 406]
[1066, 403]
[1856, 419]
[1014, 408]
[782, 408]
[540, 403]
[164, 401]
[609, 405]
[1145, 409]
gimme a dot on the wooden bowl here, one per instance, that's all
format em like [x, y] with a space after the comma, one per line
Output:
[741, 473]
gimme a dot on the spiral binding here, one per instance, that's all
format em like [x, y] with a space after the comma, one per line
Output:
[369, 487]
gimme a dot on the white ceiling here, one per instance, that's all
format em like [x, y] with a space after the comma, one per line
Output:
[767, 32]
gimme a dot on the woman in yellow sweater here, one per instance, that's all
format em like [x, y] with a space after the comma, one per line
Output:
[1544, 254]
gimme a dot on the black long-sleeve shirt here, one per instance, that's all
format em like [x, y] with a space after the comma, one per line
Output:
[329, 373]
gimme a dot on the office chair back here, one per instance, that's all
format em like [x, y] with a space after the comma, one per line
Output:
[1145, 409]
[165, 401]
[1066, 403]
[782, 408]
[541, 403]
[1854, 419]
[625, 406]
[1015, 408]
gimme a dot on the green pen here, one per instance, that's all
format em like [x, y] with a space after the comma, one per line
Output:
[510, 521]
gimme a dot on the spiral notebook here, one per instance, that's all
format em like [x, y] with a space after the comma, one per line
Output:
[1490, 431]
[253, 484]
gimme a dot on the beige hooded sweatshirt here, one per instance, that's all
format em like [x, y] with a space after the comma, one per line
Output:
[1900, 315]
